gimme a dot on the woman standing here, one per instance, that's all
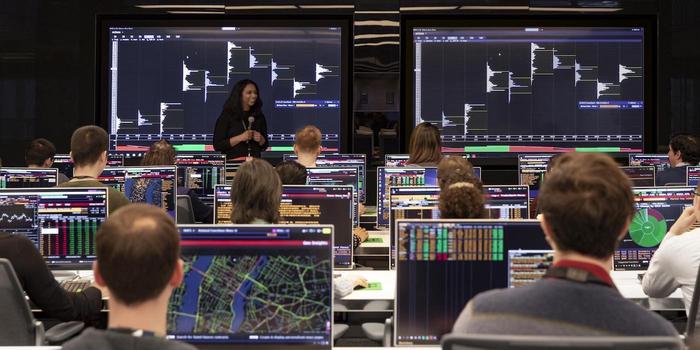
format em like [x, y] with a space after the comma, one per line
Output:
[241, 130]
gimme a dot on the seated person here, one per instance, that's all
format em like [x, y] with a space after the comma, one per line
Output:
[162, 153]
[260, 204]
[293, 173]
[587, 205]
[461, 200]
[256, 193]
[683, 150]
[41, 286]
[456, 169]
[307, 145]
[138, 262]
[88, 150]
[675, 263]
[425, 146]
[40, 154]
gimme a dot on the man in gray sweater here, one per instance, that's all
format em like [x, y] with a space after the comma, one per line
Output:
[587, 205]
[138, 261]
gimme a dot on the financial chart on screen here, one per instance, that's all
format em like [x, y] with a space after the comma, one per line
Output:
[171, 82]
[530, 89]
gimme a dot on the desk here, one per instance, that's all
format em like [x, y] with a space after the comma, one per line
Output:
[362, 300]
[631, 288]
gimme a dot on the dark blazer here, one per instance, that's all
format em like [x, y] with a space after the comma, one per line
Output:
[229, 125]
[42, 288]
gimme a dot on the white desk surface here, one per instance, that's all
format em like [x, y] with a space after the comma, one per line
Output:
[383, 235]
[630, 286]
[626, 281]
[386, 278]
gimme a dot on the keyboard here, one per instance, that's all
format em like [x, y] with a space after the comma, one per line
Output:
[75, 286]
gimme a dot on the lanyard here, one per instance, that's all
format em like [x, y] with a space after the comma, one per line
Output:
[575, 275]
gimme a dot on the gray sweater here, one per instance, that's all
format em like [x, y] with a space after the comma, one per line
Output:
[561, 308]
[108, 340]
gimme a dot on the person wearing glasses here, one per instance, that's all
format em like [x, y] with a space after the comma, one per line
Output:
[675, 263]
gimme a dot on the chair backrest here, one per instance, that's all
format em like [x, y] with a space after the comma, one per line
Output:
[693, 309]
[519, 342]
[17, 324]
[185, 213]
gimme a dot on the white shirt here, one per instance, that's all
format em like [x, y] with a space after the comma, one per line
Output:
[674, 265]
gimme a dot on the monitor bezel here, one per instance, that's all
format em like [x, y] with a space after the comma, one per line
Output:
[267, 346]
[67, 266]
[649, 23]
[396, 261]
[104, 22]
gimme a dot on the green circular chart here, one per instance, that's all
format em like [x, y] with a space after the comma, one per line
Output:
[648, 228]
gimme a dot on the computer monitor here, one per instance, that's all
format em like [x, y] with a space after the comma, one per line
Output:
[658, 208]
[64, 163]
[641, 176]
[28, 177]
[442, 264]
[306, 205]
[660, 161]
[410, 203]
[231, 170]
[254, 286]
[114, 177]
[60, 221]
[526, 267]
[507, 202]
[532, 169]
[155, 185]
[134, 158]
[334, 160]
[324, 205]
[399, 177]
[201, 172]
[301, 67]
[222, 204]
[338, 176]
[395, 160]
[531, 85]
[693, 175]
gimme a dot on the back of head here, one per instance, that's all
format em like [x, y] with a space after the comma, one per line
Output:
[87, 145]
[587, 203]
[308, 139]
[291, 173]
[688, 146]
[456, 169]
[554, 162]
[461, 200]
[256, 193]
[39, 151]
[425, 146]
[137, 252]
[160, 153]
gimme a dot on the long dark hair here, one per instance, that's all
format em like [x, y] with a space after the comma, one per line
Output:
[233, 103]
[256, 193]
[425, 146]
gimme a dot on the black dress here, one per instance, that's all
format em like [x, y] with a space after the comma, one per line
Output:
[229, 125]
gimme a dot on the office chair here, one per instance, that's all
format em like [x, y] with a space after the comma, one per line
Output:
[520, 342]
[185, 212]
[693, 309]
[18, 327]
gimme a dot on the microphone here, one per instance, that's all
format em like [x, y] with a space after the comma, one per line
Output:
[251, 119]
